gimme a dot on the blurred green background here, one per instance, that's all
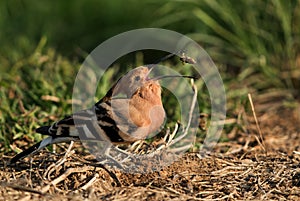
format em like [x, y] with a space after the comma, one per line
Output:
[254, 43]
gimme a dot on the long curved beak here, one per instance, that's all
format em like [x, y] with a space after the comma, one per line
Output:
[150, 67]
[169, 76]
[183, 58]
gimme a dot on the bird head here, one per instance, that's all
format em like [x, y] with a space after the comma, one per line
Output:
[138, 78]
[129, 83]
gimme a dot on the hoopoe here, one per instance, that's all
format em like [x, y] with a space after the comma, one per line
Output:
[113, 119]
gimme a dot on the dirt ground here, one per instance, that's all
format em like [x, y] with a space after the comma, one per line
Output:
[244, 168]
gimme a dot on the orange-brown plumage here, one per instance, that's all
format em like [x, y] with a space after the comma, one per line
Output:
[144, 108]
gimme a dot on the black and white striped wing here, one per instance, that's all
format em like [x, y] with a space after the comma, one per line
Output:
[96, 123]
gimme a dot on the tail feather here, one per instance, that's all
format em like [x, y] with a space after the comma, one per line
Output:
[44, 130]
[31, 150]
[40, 145]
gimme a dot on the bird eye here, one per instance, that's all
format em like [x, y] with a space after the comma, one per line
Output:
[137, 78]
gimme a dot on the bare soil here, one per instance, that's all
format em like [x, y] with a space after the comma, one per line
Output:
[243, 168]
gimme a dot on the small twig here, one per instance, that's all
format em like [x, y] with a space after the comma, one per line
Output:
[225, 162]
[167, 134]
[193, 104]
[89, 183]
[171, 136]
[67, 154]
[261, 141]
[296, 152]
[173, 190]
[140, 144]
[181, 149]
[226, 169]
[133, 147]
